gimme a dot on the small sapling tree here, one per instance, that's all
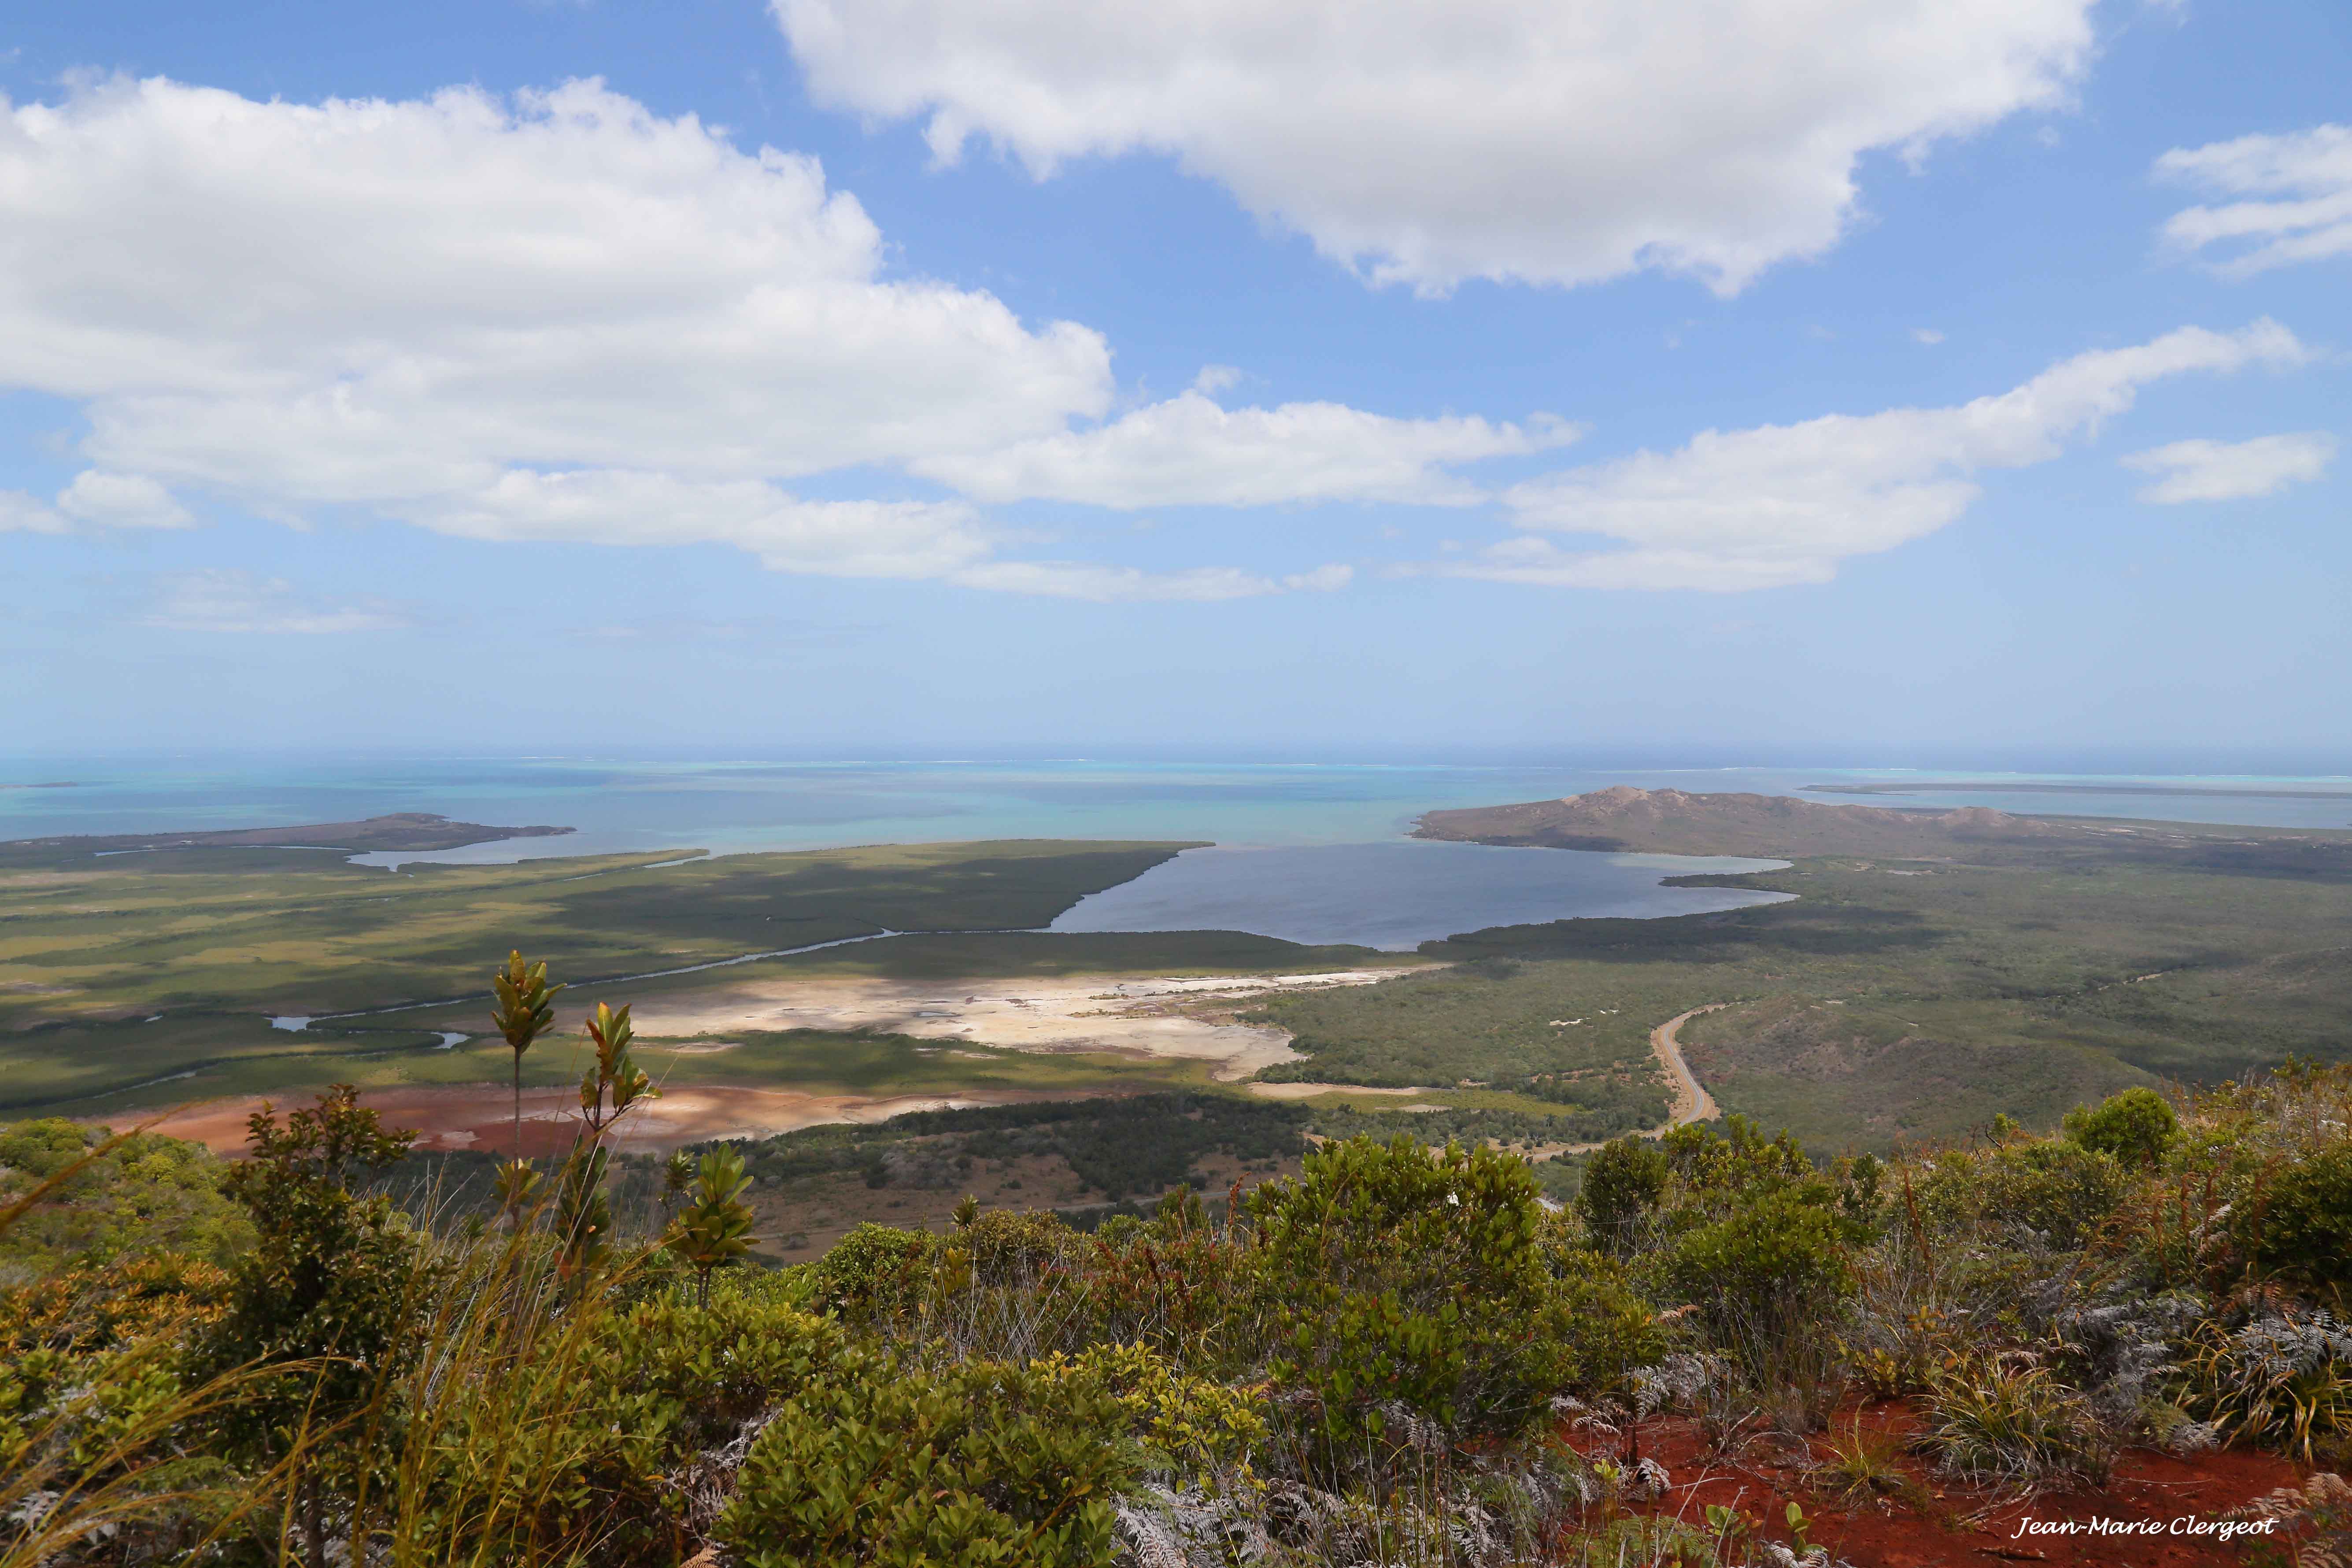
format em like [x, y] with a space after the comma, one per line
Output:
[608, 1089]
[714, 1230]
[526, 1007]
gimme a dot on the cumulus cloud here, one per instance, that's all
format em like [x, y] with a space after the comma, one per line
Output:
[555, 317]
[746, 634]
[2299, 205]
[1086, 579]
[605, 506]
[1426, 143]
[120, 501]
[2231, 470]
[1783, 504]
[25, 513]
[219, 599]
[94, 500]
[1190, 451]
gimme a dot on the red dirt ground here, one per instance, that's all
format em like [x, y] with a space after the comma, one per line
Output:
[480, 1116]
[1943, 1522]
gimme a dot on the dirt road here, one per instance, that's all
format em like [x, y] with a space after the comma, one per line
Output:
[1692, 1102]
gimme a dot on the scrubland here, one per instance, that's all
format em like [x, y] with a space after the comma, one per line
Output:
[1721, 1352]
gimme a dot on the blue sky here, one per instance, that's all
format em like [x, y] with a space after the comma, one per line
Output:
[1950, 383]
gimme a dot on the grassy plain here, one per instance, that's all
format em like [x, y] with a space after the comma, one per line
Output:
[150, 979]
[1898, 998]
[1908, 994]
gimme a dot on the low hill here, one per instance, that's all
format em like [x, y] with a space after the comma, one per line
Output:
[1673, 822]
[399, 830]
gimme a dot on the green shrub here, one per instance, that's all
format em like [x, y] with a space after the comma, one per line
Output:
[1768, 1284]
[569, 1448]
[1772, 1261]
[1398, 1273]
[1621, 1187]
[2062, 1191]
[96, 1408]
[328, 1290]
[874, 1273]
[891, 1463]
[2136, 1126]
[720, 1365]
[1733, 1160]
[2300, 1225]
[1007, 1247]
[146, 1194]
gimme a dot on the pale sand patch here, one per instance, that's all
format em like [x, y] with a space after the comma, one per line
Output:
[1182, 1018]
[1310, 1091]
[481, 1116]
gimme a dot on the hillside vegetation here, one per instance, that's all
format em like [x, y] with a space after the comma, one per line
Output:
[147, 978]
[1933, 971]
[1394, 1355]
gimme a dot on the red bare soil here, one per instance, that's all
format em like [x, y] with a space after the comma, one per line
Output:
[481, 1116]
[1940, 1522]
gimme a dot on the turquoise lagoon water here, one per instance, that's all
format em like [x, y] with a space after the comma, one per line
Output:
[722, 806]
[1312, 852]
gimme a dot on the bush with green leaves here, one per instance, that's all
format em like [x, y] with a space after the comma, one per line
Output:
[327, 1297]
[1712, 1166]
[97, 1407]
[1621, 1187]
[140, 1194]
[583, 1438]
[1007, 1247]
[2296, 1223]
[2138, 1126]
[1766, 1279]
[1397, 1274]
[2062, 1192]
[875, 1273]
[898, 1465]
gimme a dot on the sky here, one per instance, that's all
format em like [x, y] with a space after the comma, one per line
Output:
[1872, 381]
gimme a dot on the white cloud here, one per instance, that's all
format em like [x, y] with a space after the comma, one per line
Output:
[1328, 579]
[120, 501]
[25, 513]
[2231, 470]
[2305, 179]
[615, 507]
[559, 317]
[95, 500]
[752, 633]
[1927, 335]
[1085, 580]
[1188, 451]
[1785, 503]
[223, 600]
[1427, 142]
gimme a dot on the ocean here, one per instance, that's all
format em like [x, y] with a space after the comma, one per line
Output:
[1314, 852]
